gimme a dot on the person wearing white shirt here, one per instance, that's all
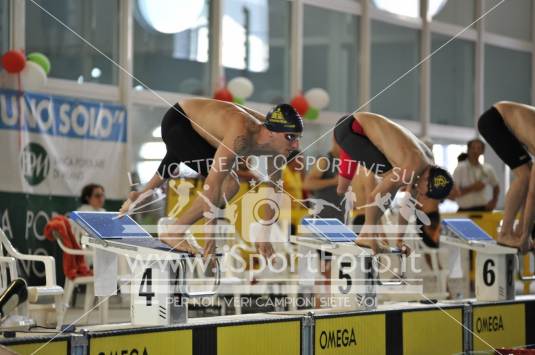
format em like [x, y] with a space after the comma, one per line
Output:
[477, 183]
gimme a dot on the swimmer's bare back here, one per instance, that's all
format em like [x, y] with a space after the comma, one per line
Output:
[396, 142]
[213, 119]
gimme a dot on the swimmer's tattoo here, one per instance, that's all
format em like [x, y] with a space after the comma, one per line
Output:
[241, 143]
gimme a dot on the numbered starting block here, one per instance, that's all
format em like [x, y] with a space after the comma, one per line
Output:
[354, 269]
[495, 264]
[159, 274]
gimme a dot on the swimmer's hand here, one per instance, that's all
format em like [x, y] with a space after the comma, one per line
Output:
[209, 247]
[134, 200]
[403, 247]
[125, 207]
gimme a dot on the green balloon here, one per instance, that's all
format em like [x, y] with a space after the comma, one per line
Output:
[239, 100]
[41, 60]
[312, 113]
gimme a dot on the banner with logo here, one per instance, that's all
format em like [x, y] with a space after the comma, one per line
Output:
[51, 147]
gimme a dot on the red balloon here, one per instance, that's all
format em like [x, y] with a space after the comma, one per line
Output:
[223, 95]
[300, 104]
[13, 61]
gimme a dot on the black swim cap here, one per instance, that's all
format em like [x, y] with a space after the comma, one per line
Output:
[439, 183]
[284, 118]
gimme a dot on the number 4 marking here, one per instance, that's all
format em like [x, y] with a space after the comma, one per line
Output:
[146, 280]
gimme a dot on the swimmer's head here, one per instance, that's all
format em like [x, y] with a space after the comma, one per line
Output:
[439, 183]
[285, 126]
[284, 118]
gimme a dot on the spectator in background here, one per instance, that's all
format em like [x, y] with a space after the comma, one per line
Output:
[292, 177]
[322, 180]
[92, 198]
[474, 181]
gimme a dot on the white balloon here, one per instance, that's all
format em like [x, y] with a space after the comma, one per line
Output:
[33, 76]
[317, 98]
[241, 87]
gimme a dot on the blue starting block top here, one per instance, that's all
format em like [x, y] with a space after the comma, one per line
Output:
[106, 226]
[466, 229]
[331, 229]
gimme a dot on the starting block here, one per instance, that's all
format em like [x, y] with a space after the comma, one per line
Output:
[354, 269]
[158, 287]
[495, 264]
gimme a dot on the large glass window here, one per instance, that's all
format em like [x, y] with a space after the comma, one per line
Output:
[148, 148]
[171, 45]
[256, 45]
[452, 82]
[507, 75]
[71, 58]
[330, 41]
[510, 18]
[395, 50]
[457, 12]
[4, 26]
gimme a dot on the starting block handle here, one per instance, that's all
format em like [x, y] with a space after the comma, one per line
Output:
[183, 287]
[401, 277]
[519, 269]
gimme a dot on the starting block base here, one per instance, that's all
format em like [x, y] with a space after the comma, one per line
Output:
[154, 296]
[494, 277]
[495, 264]
[353, 282]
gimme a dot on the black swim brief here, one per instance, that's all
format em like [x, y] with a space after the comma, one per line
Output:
[501, 139]
[359, 147]
[184, 145]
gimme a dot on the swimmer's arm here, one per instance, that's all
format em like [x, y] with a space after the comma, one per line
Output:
[153, 183]
[224, 159]
[389, 184]
[403, 222]
[263, 244]
[235, 143]
[313, 180]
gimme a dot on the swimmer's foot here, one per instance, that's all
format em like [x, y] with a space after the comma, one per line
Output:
[377, 246]
[180, 243]
[522, 244]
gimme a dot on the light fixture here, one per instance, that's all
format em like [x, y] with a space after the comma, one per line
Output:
[409, 8]
[171, 16]
[96, 73]
[152, 150]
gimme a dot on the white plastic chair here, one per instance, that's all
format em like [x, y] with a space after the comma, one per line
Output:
[88, 281]
[435, 271]
[39, 293]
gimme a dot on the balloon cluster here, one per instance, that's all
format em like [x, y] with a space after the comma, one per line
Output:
[310, 104]
[237, 90]
[32, 69]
